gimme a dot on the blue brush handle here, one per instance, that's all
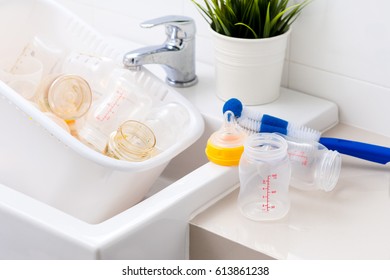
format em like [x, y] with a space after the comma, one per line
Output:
[361, 150]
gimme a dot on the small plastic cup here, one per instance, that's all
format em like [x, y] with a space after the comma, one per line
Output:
[24, 76]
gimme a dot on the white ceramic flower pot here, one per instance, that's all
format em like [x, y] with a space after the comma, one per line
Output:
[249, 69]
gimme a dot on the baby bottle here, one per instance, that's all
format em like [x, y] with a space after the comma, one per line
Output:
[123, 101]
[95, 69]
[264, 172]
[67, 96]
[37, 59]
[133, 141]
[313, 166]
[167, 122]
[225, 146]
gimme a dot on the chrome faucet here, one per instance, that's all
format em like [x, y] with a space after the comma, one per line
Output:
[176, 55]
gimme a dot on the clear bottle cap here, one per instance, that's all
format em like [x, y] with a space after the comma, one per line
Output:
[225, 146]
[69, 97]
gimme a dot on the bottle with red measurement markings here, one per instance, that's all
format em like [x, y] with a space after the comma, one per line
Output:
[264, 172]
[122, 101]
[313, 166]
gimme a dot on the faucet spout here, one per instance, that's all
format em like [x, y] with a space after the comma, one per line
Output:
[179, 68]
[176, 55]
[146, 55]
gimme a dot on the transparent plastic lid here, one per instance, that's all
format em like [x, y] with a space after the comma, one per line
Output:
[69, 97]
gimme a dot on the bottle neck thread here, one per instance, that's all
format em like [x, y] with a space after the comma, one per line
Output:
[329, 170]
[265, 146]
[133, 141]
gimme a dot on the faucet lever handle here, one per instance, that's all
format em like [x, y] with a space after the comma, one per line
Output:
[183, 26]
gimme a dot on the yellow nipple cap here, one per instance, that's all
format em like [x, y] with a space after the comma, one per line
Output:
[225, 146]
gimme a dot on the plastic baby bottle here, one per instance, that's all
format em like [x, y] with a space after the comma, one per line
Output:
[133, 141]
[167, 122]
[67, 96]
[313, 166]
[225, 146]
[123, 101]
[264, 173]
[95, 69]
[37, 59]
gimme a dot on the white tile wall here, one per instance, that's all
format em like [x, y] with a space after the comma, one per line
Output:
[339, 49]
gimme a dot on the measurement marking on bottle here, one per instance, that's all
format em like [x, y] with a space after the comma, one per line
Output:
[299, 156]
[268, 192]
[110, 107]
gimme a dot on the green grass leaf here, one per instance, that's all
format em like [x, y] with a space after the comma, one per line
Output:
[250, 18]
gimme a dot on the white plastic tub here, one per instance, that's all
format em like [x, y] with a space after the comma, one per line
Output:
[40, 159]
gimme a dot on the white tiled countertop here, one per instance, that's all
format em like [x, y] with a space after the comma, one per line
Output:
[351, 222]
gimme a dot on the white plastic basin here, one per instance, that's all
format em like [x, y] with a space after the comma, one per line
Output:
[43, 161]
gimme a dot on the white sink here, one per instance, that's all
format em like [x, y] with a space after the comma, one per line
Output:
[155, 228]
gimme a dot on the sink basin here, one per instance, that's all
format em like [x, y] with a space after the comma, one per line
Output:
[155, 228]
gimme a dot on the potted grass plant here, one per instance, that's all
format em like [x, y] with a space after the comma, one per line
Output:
[250, 39]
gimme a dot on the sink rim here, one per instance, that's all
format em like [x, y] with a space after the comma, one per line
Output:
[48, 217]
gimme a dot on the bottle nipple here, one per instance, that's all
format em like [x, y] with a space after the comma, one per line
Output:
[226, 145]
